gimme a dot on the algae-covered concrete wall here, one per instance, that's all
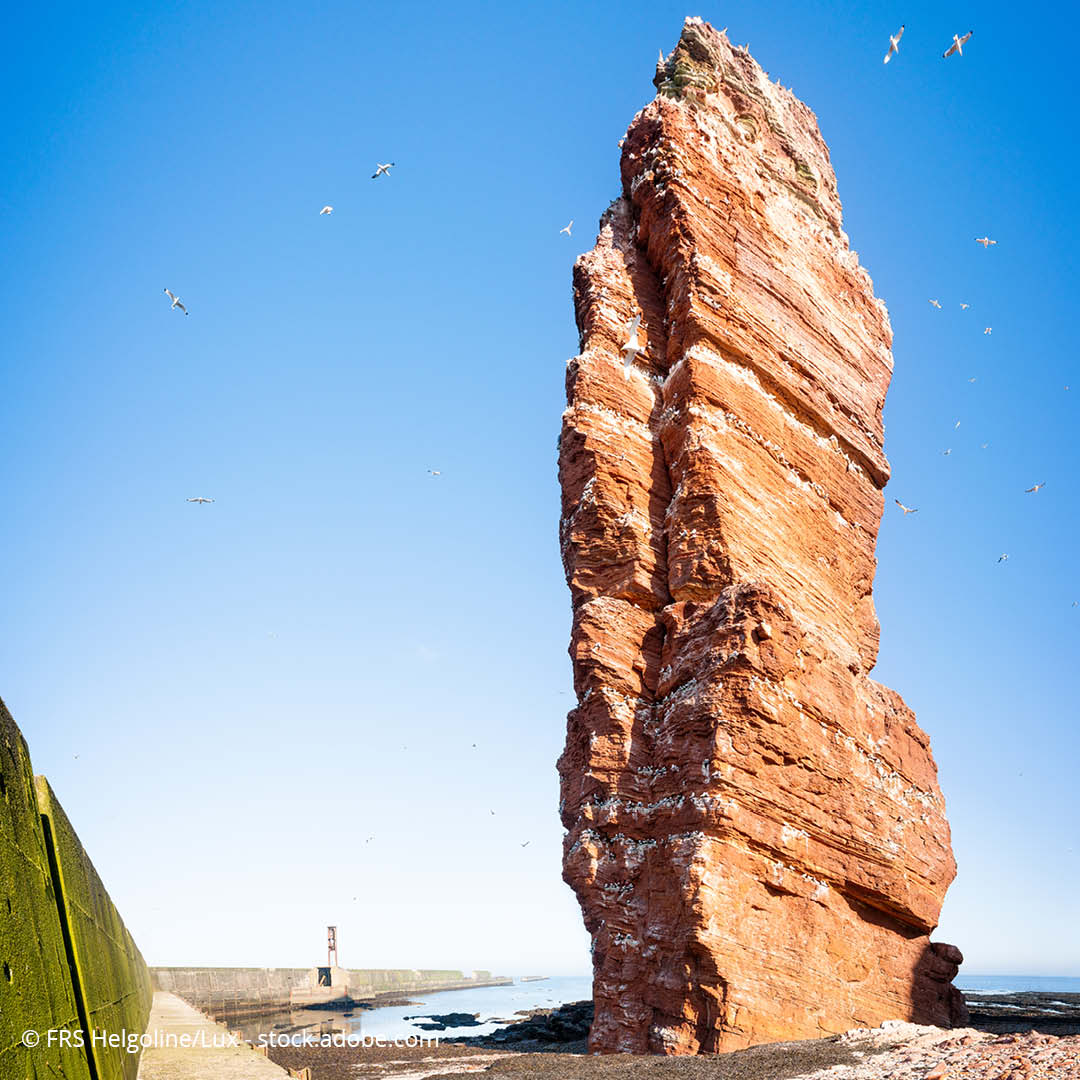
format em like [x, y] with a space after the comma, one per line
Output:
[36, 992]
[110, 969]
[67, 963]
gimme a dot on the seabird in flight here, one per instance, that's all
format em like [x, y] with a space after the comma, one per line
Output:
[958, 44]
[894, 44]
[176, 301]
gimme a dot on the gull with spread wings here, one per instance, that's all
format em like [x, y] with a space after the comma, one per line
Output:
[894, 44]
[958, 44]
[176, 301]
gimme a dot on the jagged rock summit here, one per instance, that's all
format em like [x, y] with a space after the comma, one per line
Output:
[756, 833]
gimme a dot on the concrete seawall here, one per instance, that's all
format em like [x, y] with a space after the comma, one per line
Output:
[222, 991]
[67, 962]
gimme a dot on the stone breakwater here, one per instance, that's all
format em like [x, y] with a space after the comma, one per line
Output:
[755, 830]
[227, 992]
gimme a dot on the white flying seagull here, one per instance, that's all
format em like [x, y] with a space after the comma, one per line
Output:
[988, 330]
[176, 301]
[200, 499]
[1033, 490]
[632, 348]
[935, 303]
[1003, 557]
[894, 44]
[946, 453]
[566, 229]
[907, 509]
[985, 241]
[434, 472]
[958, 44]
[380, 169]
[327, 210]
[964, 307]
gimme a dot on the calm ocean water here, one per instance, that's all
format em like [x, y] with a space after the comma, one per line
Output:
[492, 1003]
[497, 1005]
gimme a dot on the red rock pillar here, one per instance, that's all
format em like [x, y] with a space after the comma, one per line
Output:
[756, 834]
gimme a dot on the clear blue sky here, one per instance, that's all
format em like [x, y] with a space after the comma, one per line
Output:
[253, 688]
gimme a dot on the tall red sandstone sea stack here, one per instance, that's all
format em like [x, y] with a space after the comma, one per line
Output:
[756, 833]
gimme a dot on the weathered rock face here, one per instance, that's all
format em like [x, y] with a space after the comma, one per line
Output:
[756, 833]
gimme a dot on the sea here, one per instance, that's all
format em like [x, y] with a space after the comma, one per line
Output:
[974, 985]
[497, 1006]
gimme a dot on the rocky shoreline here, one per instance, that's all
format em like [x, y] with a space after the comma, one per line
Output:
[566, 1028]
[1043, 1043]
[561, 1030]
[1049, 1013]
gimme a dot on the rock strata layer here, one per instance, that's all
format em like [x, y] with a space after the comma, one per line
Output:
[756, 833]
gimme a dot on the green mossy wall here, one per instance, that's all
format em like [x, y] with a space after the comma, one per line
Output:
[114, 977]
[36, 993]
[37, 982]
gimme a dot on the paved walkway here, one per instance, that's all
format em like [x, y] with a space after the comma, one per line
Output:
[214, 1056]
